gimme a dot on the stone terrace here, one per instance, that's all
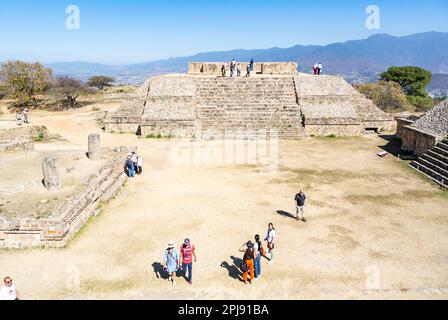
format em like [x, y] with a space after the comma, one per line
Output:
[276, 97]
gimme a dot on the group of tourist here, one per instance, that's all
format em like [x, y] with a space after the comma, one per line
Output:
[182, 260]
[234, 67]
[134, 164]
[317, 69]
[253, 251]
[22, 116]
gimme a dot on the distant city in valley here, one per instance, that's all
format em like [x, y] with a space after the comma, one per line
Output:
[357, 60]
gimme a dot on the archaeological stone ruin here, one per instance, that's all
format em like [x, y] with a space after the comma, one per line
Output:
[427, 138]
[275, 96]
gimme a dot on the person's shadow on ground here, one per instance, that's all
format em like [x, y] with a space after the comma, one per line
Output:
[233, 269]
[286, 214]
[158, 270]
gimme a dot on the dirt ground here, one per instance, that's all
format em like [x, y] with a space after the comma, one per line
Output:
[376, 229]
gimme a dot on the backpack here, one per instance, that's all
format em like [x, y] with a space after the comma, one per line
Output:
[244, 267]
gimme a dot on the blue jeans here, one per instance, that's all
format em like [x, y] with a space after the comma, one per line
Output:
[188, 266]
[131, 171]
[257, 265]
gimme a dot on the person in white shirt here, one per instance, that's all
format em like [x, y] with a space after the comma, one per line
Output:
[9, 291]
[270, 238]
[139, 165]
[25, 115]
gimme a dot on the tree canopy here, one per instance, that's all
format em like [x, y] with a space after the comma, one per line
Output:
[387, 95]
[100, 82]
[413, 80]
[22, 80]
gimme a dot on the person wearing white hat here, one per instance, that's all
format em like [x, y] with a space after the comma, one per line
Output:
[171, 262]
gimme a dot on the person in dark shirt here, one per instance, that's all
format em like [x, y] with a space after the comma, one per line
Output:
[300, 205]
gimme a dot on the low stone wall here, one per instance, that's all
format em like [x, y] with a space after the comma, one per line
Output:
[66, 220]
[214, 68]
[417, 141]
[401, 122]
[341, 130]
[16, 145]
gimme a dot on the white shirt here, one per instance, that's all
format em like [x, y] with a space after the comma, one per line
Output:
[140, 161]
[8, 293]
[270, 235]
[134, 158]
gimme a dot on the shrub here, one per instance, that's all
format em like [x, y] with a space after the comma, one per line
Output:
[422, 104]
[387, 95]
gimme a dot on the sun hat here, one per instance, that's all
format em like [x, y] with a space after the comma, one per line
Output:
[250, 244]
[171, 244]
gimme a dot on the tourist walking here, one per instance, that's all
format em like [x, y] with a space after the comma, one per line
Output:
[319, 68]
[187, 253]
[171, 262]
[223, 70]
[19, 118]
[251, 65]
[232, 68]
[248, 259]
[238, 71]
[134, 159]
[248, 71]
[315, 67]
[300, 205]
[270, 238]
[25, 115]
[260, 252]
[139, 164]
[9, 291]
[130, 166]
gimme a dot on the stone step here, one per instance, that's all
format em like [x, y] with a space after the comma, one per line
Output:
[443, 145]
[436, 177]
[435, 161]
[433, 166]
[440, 151]
[437, 156]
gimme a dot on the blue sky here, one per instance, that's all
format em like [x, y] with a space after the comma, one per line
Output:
[121, 32]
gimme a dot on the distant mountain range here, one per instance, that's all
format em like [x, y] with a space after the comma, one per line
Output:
[357, 60]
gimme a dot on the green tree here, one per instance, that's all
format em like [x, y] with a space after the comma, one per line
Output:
[413, 80]
[68, 90]
[387, 95]
[100, 82]
[22, 80]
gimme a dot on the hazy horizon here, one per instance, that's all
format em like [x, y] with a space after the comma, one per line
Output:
[138, 31]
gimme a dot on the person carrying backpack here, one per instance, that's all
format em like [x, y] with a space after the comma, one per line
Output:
[248, 261]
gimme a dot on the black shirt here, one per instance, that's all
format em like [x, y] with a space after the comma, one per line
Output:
[300, 199]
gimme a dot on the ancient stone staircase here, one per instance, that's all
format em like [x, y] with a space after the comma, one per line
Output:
[249, 104]
[434, 163]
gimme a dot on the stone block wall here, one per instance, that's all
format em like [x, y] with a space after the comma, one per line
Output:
[417, 141]
[214, 68]
[401, 122]
[66, 220]
[16, 145]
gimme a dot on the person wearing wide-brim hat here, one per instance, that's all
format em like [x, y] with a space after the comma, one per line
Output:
[171, 261]
[249, 255]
